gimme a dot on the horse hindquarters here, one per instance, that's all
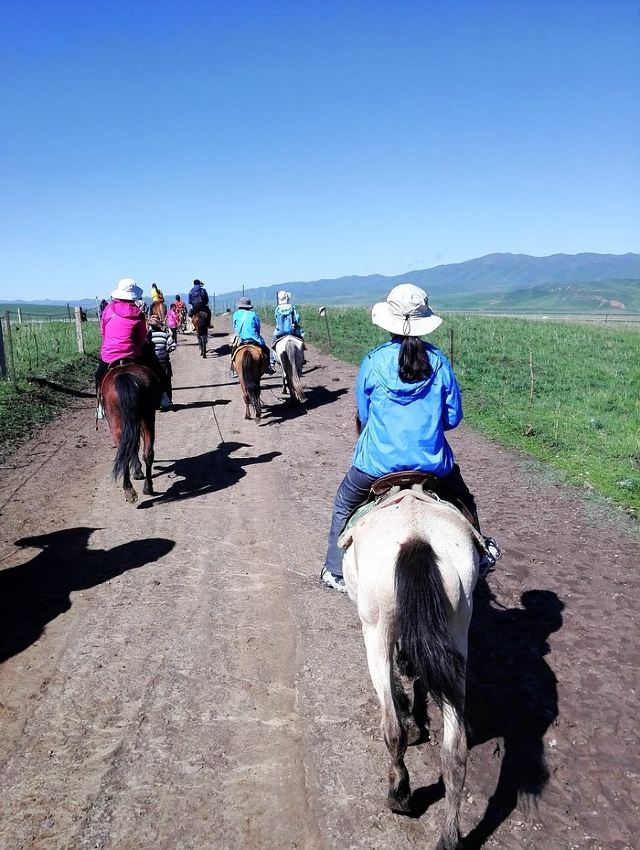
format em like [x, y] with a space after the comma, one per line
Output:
[427, 642]
[251, 371]
[291, 360]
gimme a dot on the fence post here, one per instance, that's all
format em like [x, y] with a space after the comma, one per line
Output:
[3, 362]
[79, 336]
[10, 365]
[19, 316]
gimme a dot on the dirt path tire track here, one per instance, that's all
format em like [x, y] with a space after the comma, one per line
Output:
[178, 679]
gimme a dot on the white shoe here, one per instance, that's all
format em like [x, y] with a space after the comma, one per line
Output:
[99, 412]
[334, 582]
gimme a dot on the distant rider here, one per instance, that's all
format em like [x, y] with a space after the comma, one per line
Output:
[287, 321]
[246, 327]
[124, 336]
[199, 299]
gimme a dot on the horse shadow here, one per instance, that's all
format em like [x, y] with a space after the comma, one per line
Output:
[512, 698]
[36, 592]
[314, 397]
[205, 473]
[221, 350]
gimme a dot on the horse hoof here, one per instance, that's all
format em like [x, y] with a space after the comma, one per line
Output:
[148, 490]
[131, 496]
[401, 806]
[138, 476]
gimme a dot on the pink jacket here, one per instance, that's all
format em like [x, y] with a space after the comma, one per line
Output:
[123, 330]
[172, 319]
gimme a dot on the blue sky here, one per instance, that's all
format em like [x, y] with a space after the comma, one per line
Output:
[258, 143]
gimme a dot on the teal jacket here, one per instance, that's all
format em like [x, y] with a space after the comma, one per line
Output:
[246, 326]
[403, 425]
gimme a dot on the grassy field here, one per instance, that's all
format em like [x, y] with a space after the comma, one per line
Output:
[50, 373]
[568, 395]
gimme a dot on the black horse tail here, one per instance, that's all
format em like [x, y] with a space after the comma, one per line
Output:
[251, 380]
[425, 640]
[129, 392]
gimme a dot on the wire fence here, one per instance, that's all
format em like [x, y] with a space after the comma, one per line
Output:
[614, 320]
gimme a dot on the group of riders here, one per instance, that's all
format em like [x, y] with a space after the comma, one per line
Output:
[407, 395]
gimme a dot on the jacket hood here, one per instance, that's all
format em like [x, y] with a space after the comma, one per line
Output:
[125, 309]
[387, 377]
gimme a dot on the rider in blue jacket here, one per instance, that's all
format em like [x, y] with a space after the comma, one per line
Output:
[407, 398]
[246, 327]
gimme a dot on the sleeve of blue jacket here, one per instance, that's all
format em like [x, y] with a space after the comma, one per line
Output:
[452, 400]
[363, 391]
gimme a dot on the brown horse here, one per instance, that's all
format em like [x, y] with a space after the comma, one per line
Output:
[200, 322]
[130, 396]
[159, 309]
[249, 364]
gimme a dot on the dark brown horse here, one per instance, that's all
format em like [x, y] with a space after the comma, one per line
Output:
[200, 322]
[249, 364]
[130, 396]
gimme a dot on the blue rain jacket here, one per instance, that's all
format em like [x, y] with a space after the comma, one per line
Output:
[403, 424]
[246, 326]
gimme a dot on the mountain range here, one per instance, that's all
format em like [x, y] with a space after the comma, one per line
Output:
[492, 278]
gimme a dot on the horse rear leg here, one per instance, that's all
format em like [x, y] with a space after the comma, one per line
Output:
[148, 435]
[380, 659]
[454, 769]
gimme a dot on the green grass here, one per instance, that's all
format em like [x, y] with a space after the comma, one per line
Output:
[50, 374]
[580, 416]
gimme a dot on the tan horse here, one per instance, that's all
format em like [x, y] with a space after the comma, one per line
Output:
[411, 567]
[248, 362]
[159, 309]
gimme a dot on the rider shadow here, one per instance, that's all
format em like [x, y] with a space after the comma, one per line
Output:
[206, 473]
[191, 405]
[512, 698]
[221, 350]
[314, 397]
[36, 592]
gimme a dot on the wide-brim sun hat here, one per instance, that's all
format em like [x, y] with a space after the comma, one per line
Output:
[406, 312]
[284, 297]
[127, 290]
[245, 303]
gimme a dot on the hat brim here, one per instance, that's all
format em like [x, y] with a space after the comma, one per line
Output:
[382, 316]
[126, 296]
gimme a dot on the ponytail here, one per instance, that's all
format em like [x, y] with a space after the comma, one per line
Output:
[413, 363]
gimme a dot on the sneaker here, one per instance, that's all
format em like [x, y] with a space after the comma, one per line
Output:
[99, 412]
[334, 582]
[489, 557]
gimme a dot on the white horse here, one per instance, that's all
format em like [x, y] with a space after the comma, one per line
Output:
[411, 568]
[289, 352]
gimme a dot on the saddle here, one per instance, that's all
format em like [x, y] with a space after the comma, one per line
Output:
[392, 488]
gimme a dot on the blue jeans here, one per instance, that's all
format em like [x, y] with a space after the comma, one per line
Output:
[352, 492]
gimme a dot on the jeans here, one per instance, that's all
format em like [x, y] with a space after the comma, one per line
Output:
[353, 492]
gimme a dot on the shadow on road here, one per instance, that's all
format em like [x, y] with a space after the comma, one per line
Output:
[191, 405]
[36, 592]
[206, 473]
[314, 397]
[512, 698]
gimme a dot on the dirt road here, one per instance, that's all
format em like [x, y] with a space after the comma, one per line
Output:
[175, 677]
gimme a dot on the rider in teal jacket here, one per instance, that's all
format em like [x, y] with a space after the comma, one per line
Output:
[402, 424]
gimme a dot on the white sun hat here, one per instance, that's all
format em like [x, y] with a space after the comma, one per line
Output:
[284, 297]
[127, 290]
[406, 312]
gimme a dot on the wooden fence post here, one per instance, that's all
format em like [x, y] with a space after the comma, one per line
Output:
[19, 316]
[3, 362]
[10, 365]
[79, 337]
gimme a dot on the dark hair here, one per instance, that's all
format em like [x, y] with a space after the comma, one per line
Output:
[413, 363]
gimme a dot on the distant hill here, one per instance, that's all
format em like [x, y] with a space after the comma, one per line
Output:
[494, 274]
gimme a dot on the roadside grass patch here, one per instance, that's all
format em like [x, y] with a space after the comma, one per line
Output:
[566, 394]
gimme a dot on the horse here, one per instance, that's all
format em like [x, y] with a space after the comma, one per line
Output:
[130, 395]
[290, 352]
[159, 309]
[200, 322]
[249, 365]
[411, 566]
